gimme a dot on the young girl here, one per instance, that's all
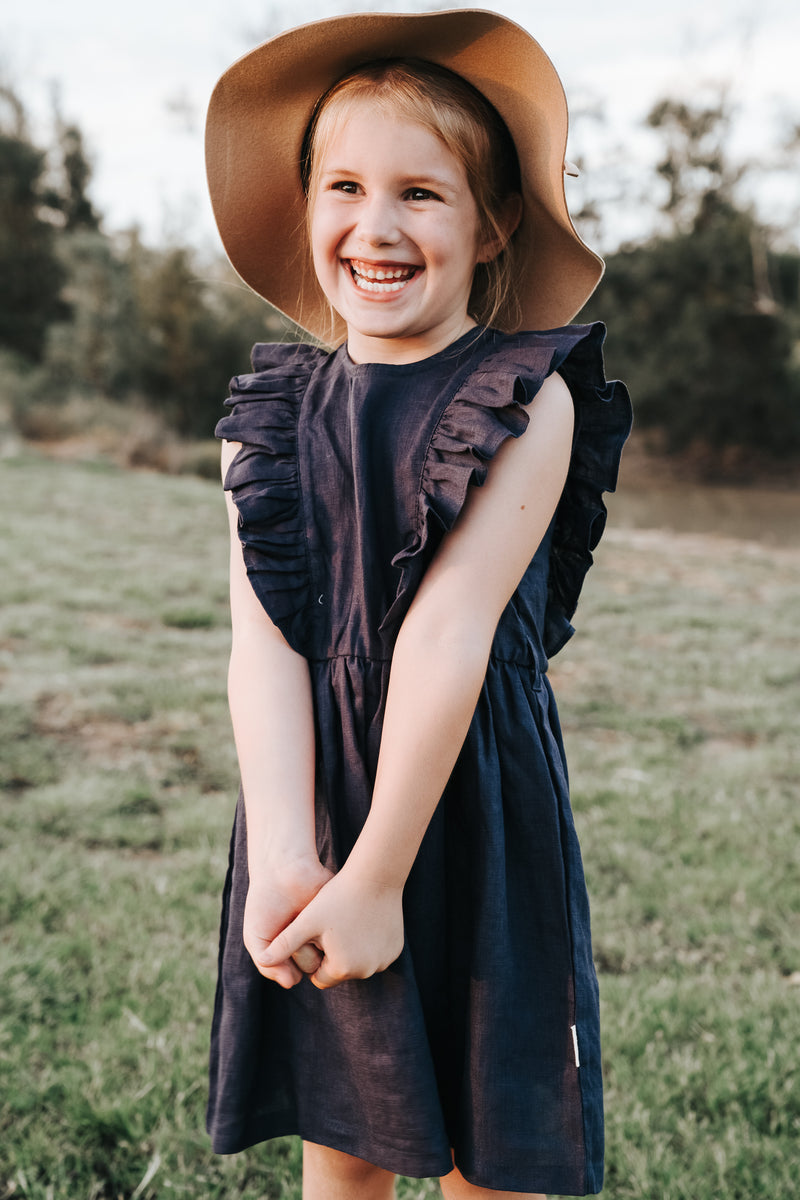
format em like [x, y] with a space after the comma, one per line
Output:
[405, 976]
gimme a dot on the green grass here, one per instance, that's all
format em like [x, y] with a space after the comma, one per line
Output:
[680, 699]
[681, 708]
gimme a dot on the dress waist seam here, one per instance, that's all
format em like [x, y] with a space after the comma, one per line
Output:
[386, 659]
[369, 658]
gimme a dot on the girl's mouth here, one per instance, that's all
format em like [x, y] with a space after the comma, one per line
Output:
[380, 279]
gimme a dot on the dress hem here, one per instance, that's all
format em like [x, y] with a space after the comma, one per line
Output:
[552, 1182]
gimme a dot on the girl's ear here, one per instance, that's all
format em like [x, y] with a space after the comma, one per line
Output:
[509, 220]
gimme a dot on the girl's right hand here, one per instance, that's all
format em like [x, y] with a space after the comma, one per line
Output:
[277, 893]
[355, 921]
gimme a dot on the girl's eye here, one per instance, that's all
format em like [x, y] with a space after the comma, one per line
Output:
[421, 194]
[345, 185]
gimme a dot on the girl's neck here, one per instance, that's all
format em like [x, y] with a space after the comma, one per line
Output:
[405, 349]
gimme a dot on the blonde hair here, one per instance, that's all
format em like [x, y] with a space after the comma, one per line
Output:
[471, 129]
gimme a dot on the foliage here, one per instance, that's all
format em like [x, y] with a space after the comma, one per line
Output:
[71, 199]
[694, 164]
[198, 327]
[705, 316]
[98, 349]
[115, 807]
[29, 267]
[709, 355]
[153, 326]
[103, 314]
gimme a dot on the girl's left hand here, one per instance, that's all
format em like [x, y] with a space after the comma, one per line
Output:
[357, 925]
[278, 891]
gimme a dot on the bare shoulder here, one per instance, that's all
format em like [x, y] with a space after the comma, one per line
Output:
[554, 391]
[229, 452]
[553, 405]
[227, 455]
[546, 443]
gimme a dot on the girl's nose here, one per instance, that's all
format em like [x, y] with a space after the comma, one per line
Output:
[378, 224]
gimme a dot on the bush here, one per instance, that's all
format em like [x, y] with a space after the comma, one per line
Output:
[708, 357]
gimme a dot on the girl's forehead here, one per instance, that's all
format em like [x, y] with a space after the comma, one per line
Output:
[348, 110]
[360, 126]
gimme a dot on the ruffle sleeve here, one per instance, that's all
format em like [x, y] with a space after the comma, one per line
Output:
[264, 482]
[490, 407]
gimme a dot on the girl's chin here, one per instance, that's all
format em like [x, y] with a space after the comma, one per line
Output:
[377, 303]
[377, 318]
[372, 331]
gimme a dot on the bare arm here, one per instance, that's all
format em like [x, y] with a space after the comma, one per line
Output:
[438, 667]
[271, 708]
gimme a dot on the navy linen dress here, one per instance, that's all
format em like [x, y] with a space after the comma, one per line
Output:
[483, 1036]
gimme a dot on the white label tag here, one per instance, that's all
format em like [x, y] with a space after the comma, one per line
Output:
[574, 1031]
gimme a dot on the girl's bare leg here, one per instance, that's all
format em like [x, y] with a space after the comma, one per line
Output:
[455, 1187]
[331, 1175]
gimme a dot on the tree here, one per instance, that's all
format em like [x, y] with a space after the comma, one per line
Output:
[695, 165]
[32, 276]
[705, 316]
[101, 346]
[198, 328]
[71, 197]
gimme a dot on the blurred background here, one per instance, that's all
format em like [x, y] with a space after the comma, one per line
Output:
[120, 325]
[685, 121]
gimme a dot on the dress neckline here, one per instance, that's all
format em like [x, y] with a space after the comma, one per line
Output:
[474, 337]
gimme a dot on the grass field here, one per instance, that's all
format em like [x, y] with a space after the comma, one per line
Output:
[680, 699]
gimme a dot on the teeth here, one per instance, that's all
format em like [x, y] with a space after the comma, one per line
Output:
[381, 279]
[368, 285]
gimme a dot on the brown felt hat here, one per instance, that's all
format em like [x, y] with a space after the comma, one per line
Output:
[261, 107]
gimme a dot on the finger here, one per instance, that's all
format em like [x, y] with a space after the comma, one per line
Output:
[308, 958]
[287, 943]
[286, 974]
[324, 977]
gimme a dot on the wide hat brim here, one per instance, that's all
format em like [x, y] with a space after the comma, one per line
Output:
[261, 107]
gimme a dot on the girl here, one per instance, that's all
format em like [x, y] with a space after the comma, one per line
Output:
[405, 965]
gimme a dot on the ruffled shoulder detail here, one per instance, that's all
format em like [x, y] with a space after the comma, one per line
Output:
[603, 419]
[264, 482]
[490, 407]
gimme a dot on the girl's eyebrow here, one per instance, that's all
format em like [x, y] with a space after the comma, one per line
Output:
[421, 180]
[432, 181]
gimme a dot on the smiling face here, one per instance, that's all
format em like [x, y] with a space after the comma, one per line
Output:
[394, 235]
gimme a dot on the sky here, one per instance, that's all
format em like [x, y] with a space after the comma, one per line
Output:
[136, 78]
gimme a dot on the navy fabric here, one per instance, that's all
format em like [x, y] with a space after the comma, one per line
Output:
[348, 478]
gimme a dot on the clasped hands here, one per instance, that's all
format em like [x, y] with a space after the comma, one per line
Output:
[301, 919]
